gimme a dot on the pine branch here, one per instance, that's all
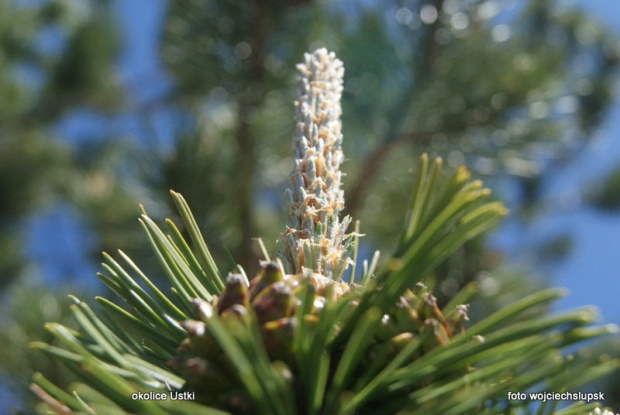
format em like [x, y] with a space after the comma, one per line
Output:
[304, 342]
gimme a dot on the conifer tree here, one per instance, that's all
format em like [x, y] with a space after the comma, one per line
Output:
[446, 77]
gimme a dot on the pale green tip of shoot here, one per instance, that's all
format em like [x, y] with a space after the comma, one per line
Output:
[612, 328]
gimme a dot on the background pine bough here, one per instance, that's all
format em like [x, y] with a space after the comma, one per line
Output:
[306, 342]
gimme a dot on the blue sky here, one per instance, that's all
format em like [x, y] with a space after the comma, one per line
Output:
[592, 271]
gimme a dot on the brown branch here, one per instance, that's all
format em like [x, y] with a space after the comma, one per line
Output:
[246, 155]
[373, 161]
[356, 194]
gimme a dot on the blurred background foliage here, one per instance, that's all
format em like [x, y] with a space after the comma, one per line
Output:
[509, 88]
